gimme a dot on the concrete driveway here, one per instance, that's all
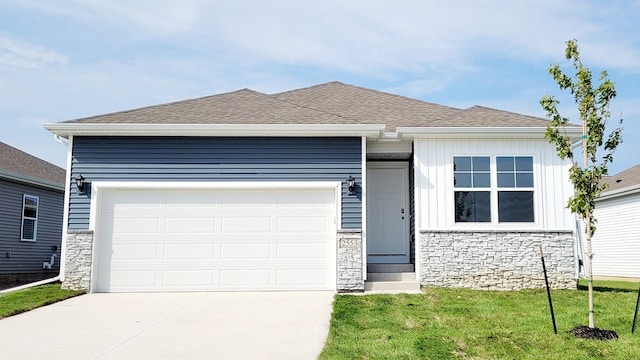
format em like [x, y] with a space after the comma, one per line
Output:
[265, 325]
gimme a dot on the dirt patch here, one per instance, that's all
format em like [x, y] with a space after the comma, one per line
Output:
[594, 333]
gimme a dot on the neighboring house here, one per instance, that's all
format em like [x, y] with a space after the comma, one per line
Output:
[31, 211]
[251, 191]
[616, 242]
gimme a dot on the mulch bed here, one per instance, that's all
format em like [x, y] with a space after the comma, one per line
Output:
[594, 333]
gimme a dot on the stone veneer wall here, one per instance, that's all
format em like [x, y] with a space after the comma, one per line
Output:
[79, 251]
[349, 271]
[496, 260]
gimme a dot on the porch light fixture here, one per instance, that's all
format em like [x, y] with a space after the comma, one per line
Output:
[80, 183]
[351, 185]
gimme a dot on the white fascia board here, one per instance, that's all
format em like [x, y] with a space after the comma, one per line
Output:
[479, 132]
[629, 190]
[91, 129]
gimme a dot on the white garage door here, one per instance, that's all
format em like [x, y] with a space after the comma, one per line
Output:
[207, 240]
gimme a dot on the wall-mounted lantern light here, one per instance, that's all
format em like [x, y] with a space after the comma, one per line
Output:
[351, 185]
[80, 183]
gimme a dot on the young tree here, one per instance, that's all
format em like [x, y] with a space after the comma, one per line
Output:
[597, 152]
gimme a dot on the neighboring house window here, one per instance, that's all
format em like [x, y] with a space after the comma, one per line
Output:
[29, 217]
[477, 187]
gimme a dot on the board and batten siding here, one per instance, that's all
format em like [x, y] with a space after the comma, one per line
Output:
[434, 180]
[195, 159]
[616, 242]
[24, 256]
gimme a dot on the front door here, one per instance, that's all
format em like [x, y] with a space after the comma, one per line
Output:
[388, 212]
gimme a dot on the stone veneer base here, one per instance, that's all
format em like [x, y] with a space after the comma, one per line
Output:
[79, 253]
[496, 260]
[349, 261]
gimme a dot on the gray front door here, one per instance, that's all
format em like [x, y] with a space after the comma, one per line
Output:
[387, 212]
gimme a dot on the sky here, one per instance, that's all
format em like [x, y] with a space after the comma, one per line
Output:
[67, 59]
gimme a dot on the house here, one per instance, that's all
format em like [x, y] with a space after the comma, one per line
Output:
[616, 242]
[31, 210]
[319, 188]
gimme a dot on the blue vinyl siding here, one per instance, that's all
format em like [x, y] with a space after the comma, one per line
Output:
[216, 159]
[27, 257]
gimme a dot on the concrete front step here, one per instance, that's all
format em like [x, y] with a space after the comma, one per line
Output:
[390, 268]
[394, 286]
[399, 276]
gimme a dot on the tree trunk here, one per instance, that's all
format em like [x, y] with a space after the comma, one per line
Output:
[590, 274]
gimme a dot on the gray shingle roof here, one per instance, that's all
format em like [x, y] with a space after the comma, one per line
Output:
[368, 106]
[14, 161]
[330, 103]
[623, 179]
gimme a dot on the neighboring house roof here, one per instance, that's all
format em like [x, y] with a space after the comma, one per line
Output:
[334, 103]
[18, 165]
[624, 182]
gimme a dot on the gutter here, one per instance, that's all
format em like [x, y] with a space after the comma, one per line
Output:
[30, 285]
[65, 130]
[479, 132]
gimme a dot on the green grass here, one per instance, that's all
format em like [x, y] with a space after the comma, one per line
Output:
[468, 324]
[29, 299]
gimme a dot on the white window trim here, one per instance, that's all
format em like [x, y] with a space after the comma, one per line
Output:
[493, 168]
[35, 225]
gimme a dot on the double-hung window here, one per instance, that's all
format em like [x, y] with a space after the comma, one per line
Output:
[493, 189]
[29, 218]
[472, 181]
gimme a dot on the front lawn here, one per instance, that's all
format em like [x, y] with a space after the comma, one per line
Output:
[468, 324]
[29, 299]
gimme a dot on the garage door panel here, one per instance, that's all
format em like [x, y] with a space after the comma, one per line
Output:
[185, 278]
[178, 251]
[189, 225]
[135, 225]
[133, 279]
[245, 278]
[246, 225]
[134, 252]
[302, 251]
[249, 250]
[304, 224]
[298, 277]
[183, 243]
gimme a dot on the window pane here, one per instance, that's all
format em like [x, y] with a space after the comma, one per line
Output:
[28, 212]
[524, 163]
[504, 163]
[461, 163]
[506, 180]
[473, 206]
[28, 229]
[481, 163]
[31, 201]
[462, 179]
[481, 180]
[515, 206]
[524, 179]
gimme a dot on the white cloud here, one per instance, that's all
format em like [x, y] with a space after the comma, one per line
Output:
[21, 54]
